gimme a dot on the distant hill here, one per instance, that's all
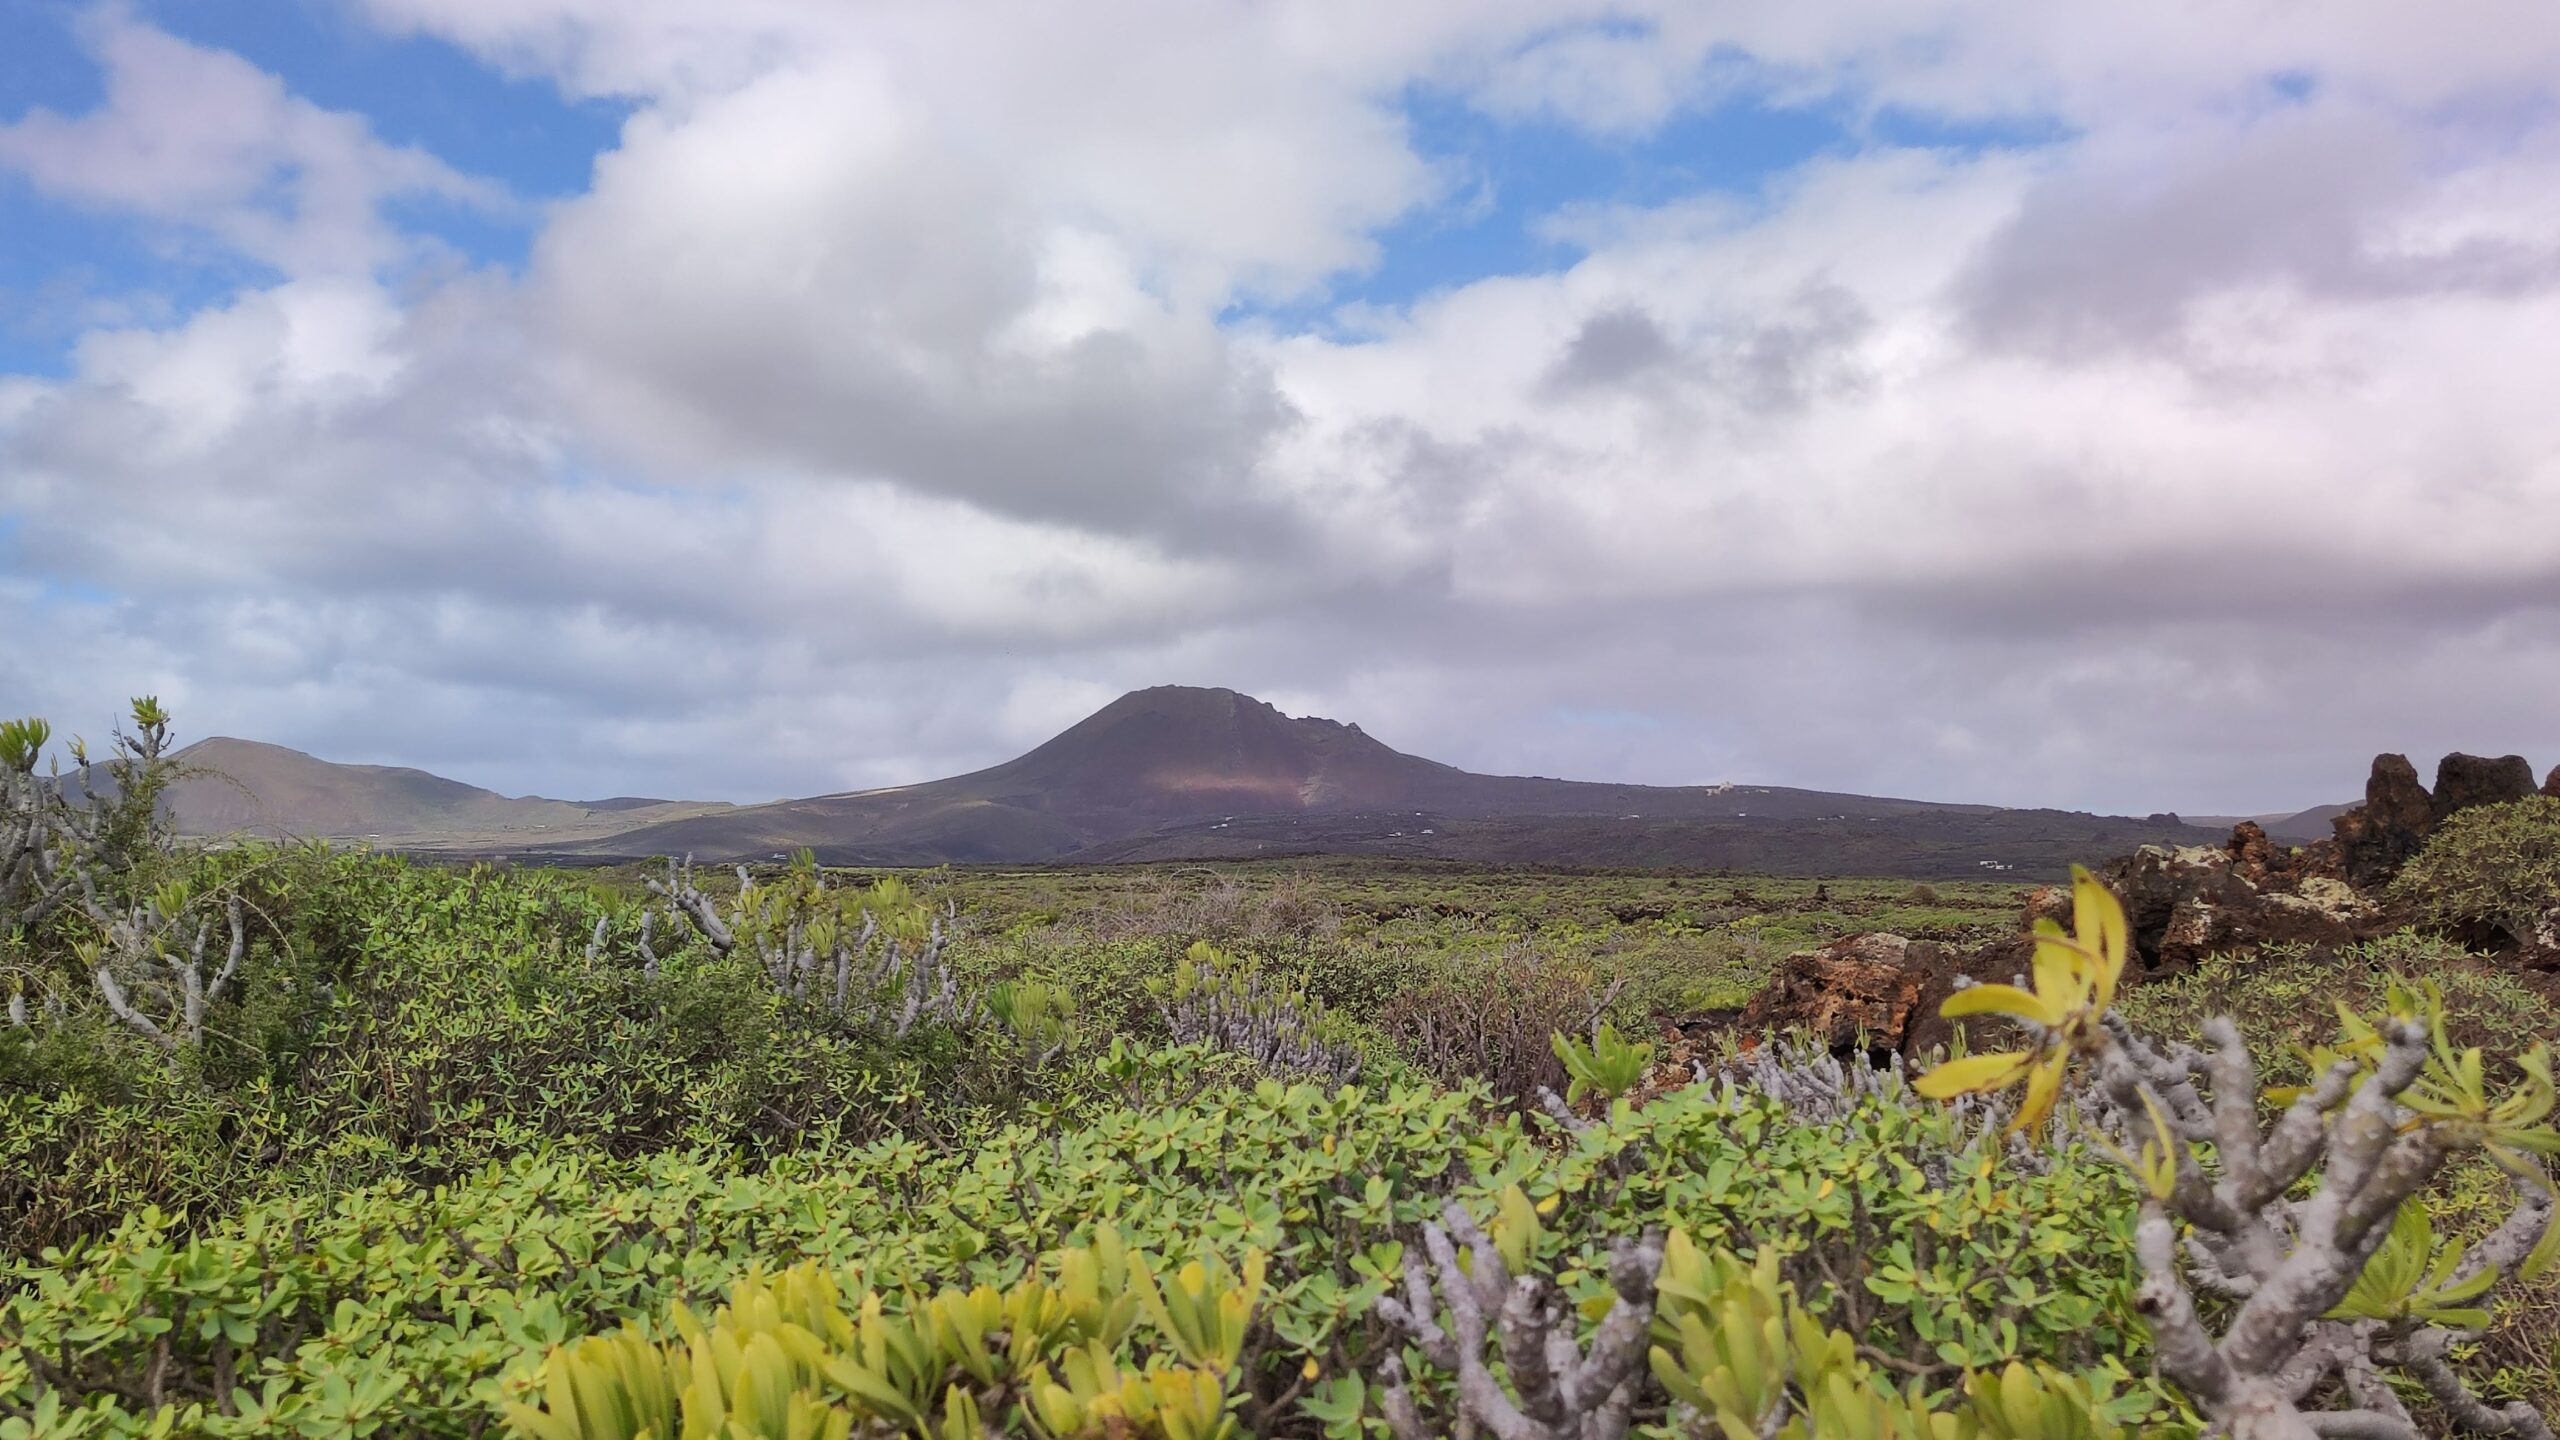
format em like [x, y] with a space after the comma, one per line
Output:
[1168, 774]
[245, 787]
[1178, 772]
[2300, 828]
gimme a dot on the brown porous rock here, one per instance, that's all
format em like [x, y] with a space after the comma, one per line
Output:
[2254, 857]
[2186, 902]
[2377, 837]
[2463, 781]
[1858, 992]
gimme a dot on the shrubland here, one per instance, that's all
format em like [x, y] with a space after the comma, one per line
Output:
[303, 1142]
[2491, 873]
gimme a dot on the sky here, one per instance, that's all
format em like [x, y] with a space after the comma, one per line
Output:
[2112, 406]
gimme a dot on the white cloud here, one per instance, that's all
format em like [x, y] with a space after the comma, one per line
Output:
[875, 411]
[201, 139]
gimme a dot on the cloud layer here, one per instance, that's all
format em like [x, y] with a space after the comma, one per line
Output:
[2129, 414]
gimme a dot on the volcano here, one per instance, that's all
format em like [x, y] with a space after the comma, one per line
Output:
[1187, 773]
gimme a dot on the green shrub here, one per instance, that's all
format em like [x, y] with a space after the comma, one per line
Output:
[2490, 873]
[417, 1310]
[791, 1357]
[2319, 1222]
[1745, 1350]
[2285, 999]
[456, 1152]
[406, 1020]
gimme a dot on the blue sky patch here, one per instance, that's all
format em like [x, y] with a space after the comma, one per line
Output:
[1509, 176]
[65, 271]
[42, 64]
[1506, 175]
[415, 91]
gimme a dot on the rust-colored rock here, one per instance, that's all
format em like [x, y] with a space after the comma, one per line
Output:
[2551, 783]
[1882, 992]
[2254, 857]
[2377, 837]
[2182, 904]
[2047, 902]
[2008, 962]
[2319, 860]
[2463, 781]
[1863, 991]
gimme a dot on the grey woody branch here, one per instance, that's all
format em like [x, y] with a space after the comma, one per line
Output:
[1559, 1387]
[1276, 1029]
[147, 962]
[679, 890]
[2285, 1265]
[871, 975]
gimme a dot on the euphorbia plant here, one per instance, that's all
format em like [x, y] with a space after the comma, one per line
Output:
[2336, 1285]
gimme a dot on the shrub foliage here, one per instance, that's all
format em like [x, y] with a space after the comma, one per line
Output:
[2490, 872]
[303, 1142]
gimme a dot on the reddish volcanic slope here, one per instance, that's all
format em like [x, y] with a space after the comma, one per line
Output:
[1179, 772]
[1175, 773]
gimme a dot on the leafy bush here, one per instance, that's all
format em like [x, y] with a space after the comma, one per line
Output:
[422, 1310]
[79, 851]
[2285, 1000]
[402, 1020]
[2491, 873]
[1225, 911]
[418, 1151]
[790, 1357]
[1608, 1067]
[2336, 1286]
[1734, 1350]
[1214, 999]
[74, 849]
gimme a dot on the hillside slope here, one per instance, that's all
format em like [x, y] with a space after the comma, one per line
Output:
[234, 786]
[2299, 828]
[1168, 774]
[1178, 772]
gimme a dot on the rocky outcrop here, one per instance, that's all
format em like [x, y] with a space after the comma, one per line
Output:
[2254, 857]
[2551, 783]
[2377, 837]
[1863, 991]
[1882, 993]
[2463, 781]
[2184, 903]
[2258, 859]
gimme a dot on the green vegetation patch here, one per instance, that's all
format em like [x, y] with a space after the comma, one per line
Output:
[2492, 872]
[417, 1310]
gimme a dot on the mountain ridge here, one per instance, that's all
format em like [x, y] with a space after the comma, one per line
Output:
[1180, 772]
[228, 786]
[1171, 772]
[2296, 827]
